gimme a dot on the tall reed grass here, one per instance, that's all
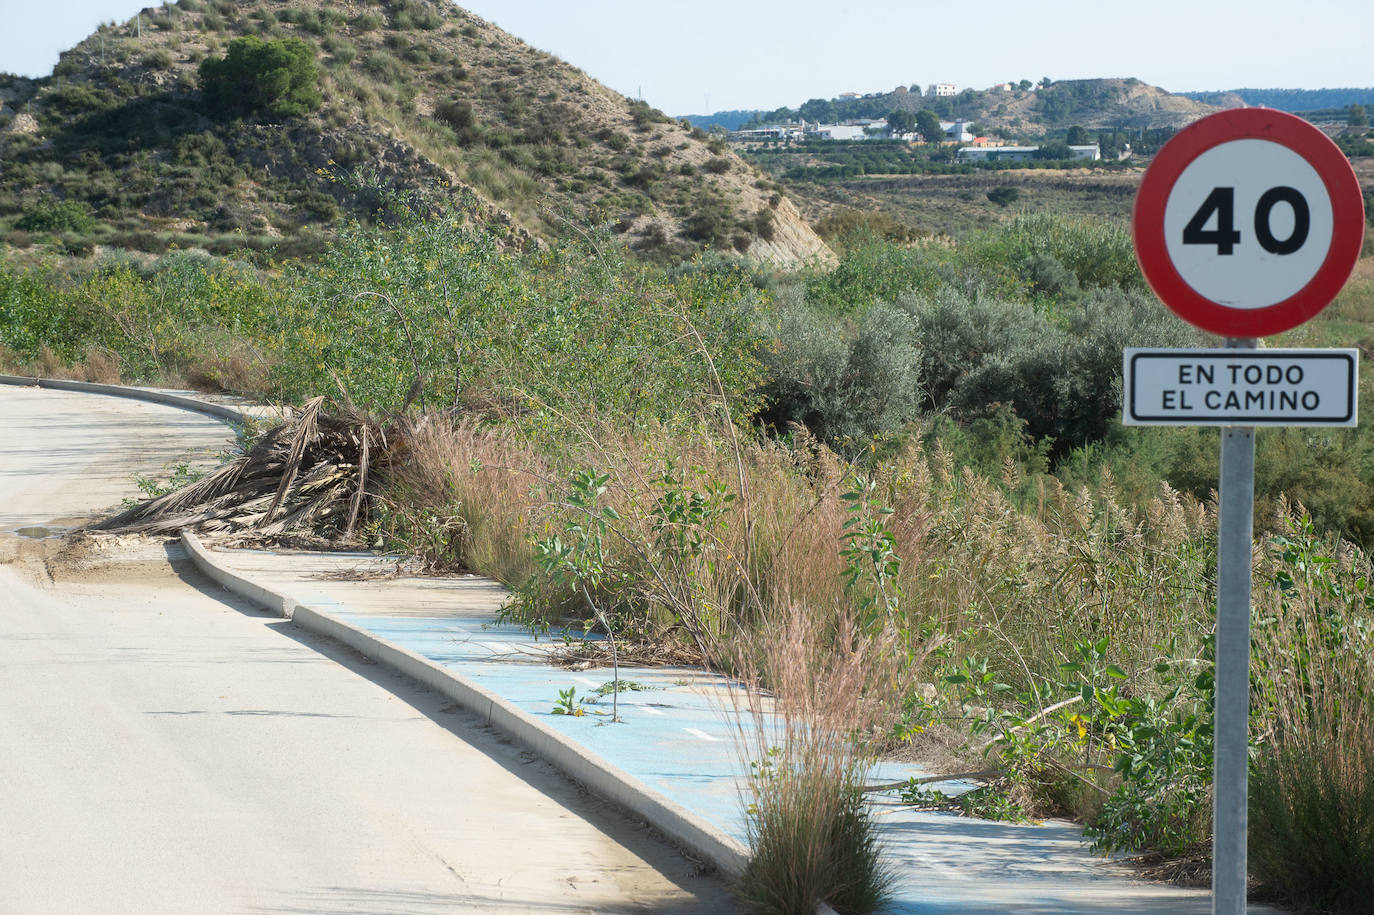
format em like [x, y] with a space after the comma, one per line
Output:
[1312, 792]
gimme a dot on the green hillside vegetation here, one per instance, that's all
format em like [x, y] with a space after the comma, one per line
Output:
[213, 128]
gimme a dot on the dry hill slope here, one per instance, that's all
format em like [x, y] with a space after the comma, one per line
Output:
[418, 95]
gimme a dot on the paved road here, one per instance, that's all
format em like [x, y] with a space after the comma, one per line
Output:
[165, 750]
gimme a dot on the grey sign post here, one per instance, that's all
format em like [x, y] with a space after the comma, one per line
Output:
[1230, 763]
[1247, 224]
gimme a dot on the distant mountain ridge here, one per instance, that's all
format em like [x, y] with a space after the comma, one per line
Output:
[1290, 99]
[1103, 103]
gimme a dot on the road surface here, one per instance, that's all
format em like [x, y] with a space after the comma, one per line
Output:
[164, 748]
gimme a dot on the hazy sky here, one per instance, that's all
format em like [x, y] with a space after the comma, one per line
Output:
[688, 56]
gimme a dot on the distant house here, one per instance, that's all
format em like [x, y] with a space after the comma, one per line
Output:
[997, 153]
[849, 95]
[957, 131]
[1021, 153]
[771, 132]
[942, 90]
[836, 132]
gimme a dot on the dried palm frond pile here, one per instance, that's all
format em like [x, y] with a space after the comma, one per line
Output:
[309, 474]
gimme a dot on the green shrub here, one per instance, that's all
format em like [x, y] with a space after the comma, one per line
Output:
[385, 67]
[843, 391]
[1062, 378]
[278, 78]
[368, 21]
[414, 14]
[160, 59]
[1004, 196]
[712, 223]
[48, 215]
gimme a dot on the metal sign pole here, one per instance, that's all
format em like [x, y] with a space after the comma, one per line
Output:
[1231, 721]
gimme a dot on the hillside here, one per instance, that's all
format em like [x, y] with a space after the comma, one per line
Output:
[120, 146]
[1093, 103]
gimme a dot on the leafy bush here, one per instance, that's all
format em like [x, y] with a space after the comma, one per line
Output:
[843, 391]
[48, 215]
[385, 66]
[1004, 196]
[414, 14]
[1063, 379]
[712, 223]
[368, 21]
[160, 59]
[278, 78]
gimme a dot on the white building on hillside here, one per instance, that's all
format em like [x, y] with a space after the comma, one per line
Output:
[836, 132]
[1021, 153]
[957, 131]
[942, 90]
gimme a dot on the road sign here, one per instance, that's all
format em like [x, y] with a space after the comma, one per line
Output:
[1241, 387]
[1248, 222]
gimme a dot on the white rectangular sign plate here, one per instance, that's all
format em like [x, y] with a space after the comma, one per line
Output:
[1240, 387]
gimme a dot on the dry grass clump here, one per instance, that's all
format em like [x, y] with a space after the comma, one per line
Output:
[100, 365]
[827, 684]
[467, 496]
[230, 366]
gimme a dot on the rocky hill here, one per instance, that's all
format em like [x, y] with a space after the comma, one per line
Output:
[122, 145]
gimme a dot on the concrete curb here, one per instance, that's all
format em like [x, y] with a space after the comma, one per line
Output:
[218, 411]
[600, 777]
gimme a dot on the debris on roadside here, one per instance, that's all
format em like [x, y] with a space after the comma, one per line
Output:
[307, 475]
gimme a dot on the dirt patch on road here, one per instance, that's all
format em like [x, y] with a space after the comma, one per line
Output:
[87, 559]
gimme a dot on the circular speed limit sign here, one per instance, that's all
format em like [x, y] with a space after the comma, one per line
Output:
[1248, 222]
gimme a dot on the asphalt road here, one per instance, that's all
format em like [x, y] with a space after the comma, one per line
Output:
[164, 748]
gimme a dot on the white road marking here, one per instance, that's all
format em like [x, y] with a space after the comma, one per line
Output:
[702, 734]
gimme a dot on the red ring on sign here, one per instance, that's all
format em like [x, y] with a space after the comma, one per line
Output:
[1347, 217]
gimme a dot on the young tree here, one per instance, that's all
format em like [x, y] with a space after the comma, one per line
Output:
[928, 124]
[1056, 149]
[817, 109]
[1357, 116]
[901, 122]
[279, 78]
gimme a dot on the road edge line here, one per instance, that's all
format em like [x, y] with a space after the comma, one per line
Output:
[596, 774]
